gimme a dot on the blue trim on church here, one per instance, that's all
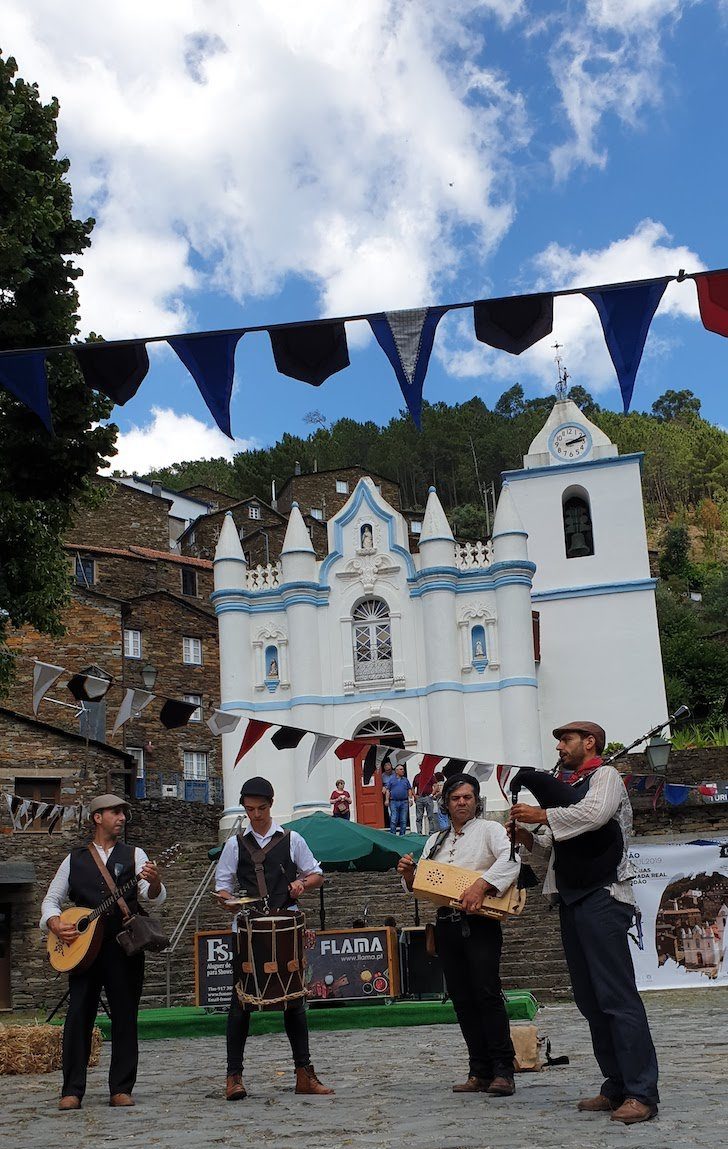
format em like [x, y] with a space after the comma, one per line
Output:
[594, 589]
[379, 695]
[362, 494]
[560, 468]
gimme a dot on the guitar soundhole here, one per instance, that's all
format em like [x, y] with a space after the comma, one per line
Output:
[82, 925]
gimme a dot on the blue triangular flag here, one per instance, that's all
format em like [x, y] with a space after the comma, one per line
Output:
[626, 314]
[406, 337]
[25, 375]
[210, 360]
[675, 795]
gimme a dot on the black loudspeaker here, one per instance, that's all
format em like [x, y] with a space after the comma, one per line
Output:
[421, 974]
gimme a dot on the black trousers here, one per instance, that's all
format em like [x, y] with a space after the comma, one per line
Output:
[121, 978]
[238, 1027]
[471, 965]
[594, 934]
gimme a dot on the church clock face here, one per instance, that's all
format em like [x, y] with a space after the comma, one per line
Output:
[570, 442]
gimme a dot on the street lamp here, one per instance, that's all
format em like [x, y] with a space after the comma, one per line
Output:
[149, 675]
[658, 752]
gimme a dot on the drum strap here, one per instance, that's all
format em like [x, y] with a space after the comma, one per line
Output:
[258, 855]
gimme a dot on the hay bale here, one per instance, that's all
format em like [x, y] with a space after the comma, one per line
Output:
[37, 1048]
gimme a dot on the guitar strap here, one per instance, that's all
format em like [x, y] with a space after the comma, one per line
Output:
[126, 912]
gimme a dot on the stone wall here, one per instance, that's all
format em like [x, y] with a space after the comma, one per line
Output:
[318, 490]
[123, 517]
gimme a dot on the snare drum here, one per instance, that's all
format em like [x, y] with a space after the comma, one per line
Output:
[272, 961]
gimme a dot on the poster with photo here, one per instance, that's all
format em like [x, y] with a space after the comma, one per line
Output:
[682, 892]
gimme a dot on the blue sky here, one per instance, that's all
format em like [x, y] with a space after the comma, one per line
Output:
[256, 163]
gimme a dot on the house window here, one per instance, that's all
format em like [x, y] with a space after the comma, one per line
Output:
[317, 513]
[189, 581]
[195, 766]
[132, 643]
[372, 638]
[137, 754]
[192, 651]
[253, 511]
[84, 571]
[342, 487]
[578, 533]
[39, 790]
[416, 526]
[196, 715]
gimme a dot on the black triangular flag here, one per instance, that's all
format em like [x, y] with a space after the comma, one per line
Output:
[310, 353]
[175, 713]
[116, 371]
[287, 737]
[514, 324]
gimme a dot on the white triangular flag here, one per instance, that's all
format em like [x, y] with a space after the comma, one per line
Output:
[133, 702]
[321, 745]
[222, 722]
[70, 814]
[44, 675]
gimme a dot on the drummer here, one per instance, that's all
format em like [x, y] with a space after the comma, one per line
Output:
[289, 868]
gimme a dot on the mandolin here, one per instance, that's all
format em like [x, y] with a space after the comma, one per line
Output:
[80, 953]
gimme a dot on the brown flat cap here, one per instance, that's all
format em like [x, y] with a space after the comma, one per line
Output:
[108, 802]
[592, 728]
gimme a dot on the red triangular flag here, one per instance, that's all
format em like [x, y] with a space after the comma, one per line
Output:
[349, 749]
[427, 768]
[254, 731]
[713, 300]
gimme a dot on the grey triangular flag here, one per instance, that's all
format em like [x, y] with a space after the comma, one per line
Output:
[133, 702]
[70, 814]
[221, 722]
[381, 753]
[321, 746]
[44, 675]
[399, 757]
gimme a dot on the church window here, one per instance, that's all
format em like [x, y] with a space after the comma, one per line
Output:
[578, 533]
[372, 641]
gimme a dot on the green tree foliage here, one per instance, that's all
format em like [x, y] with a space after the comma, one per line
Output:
[694, 657]
[42, 477]
[681, 405]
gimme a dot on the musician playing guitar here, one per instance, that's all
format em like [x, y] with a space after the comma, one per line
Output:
[80, 880]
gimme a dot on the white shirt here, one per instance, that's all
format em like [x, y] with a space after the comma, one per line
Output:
[606, 798]
[481, 845]
[226, 874]
[59, 888]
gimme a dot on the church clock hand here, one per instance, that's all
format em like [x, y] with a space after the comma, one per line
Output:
[570, 442]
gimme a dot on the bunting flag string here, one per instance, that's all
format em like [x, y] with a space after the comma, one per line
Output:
[314, 350]
[25, 812]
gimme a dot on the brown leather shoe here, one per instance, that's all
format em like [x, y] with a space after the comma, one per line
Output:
[473, 1085]
[121, 1100]
[631, 1111]
[69, 1102]
[598, 1104]
[502, 1087]
[234, 1088]
[308, 1082]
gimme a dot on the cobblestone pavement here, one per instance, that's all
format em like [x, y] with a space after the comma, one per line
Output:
[393, 1089]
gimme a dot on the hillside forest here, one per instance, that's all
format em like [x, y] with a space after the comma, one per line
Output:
[463, 449]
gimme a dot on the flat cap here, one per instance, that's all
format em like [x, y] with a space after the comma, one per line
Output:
[108, 802]
[256, 788]
[592, 728]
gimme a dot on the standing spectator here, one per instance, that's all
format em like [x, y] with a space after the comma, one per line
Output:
[387, 773]
[340, 801]
[424, 803]
[443, 819]
[399, 789]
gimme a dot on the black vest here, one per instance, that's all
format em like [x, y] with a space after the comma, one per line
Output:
[590, 861]
[88, 888]
[279, 870]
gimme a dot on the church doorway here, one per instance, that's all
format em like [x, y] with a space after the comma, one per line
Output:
[367, 780]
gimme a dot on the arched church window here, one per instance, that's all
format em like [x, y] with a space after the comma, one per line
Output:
[372, 637]
[578, 532]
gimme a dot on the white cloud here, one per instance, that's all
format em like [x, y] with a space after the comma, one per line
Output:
[230, 146]
[648, 252]
[171, 438]
[608, 61]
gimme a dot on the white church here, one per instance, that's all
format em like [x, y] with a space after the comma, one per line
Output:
[471, 651]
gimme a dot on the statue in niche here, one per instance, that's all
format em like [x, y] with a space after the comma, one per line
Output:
[367, 538]
[479, 651]
[273, 668]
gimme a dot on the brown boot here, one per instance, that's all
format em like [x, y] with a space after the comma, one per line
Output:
[632, 1111]
[598, 1104]
[502, 1087]
[121, 1100]
[234, 1088]
[308, 1082]
[473, 1085]
[69, 1102]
